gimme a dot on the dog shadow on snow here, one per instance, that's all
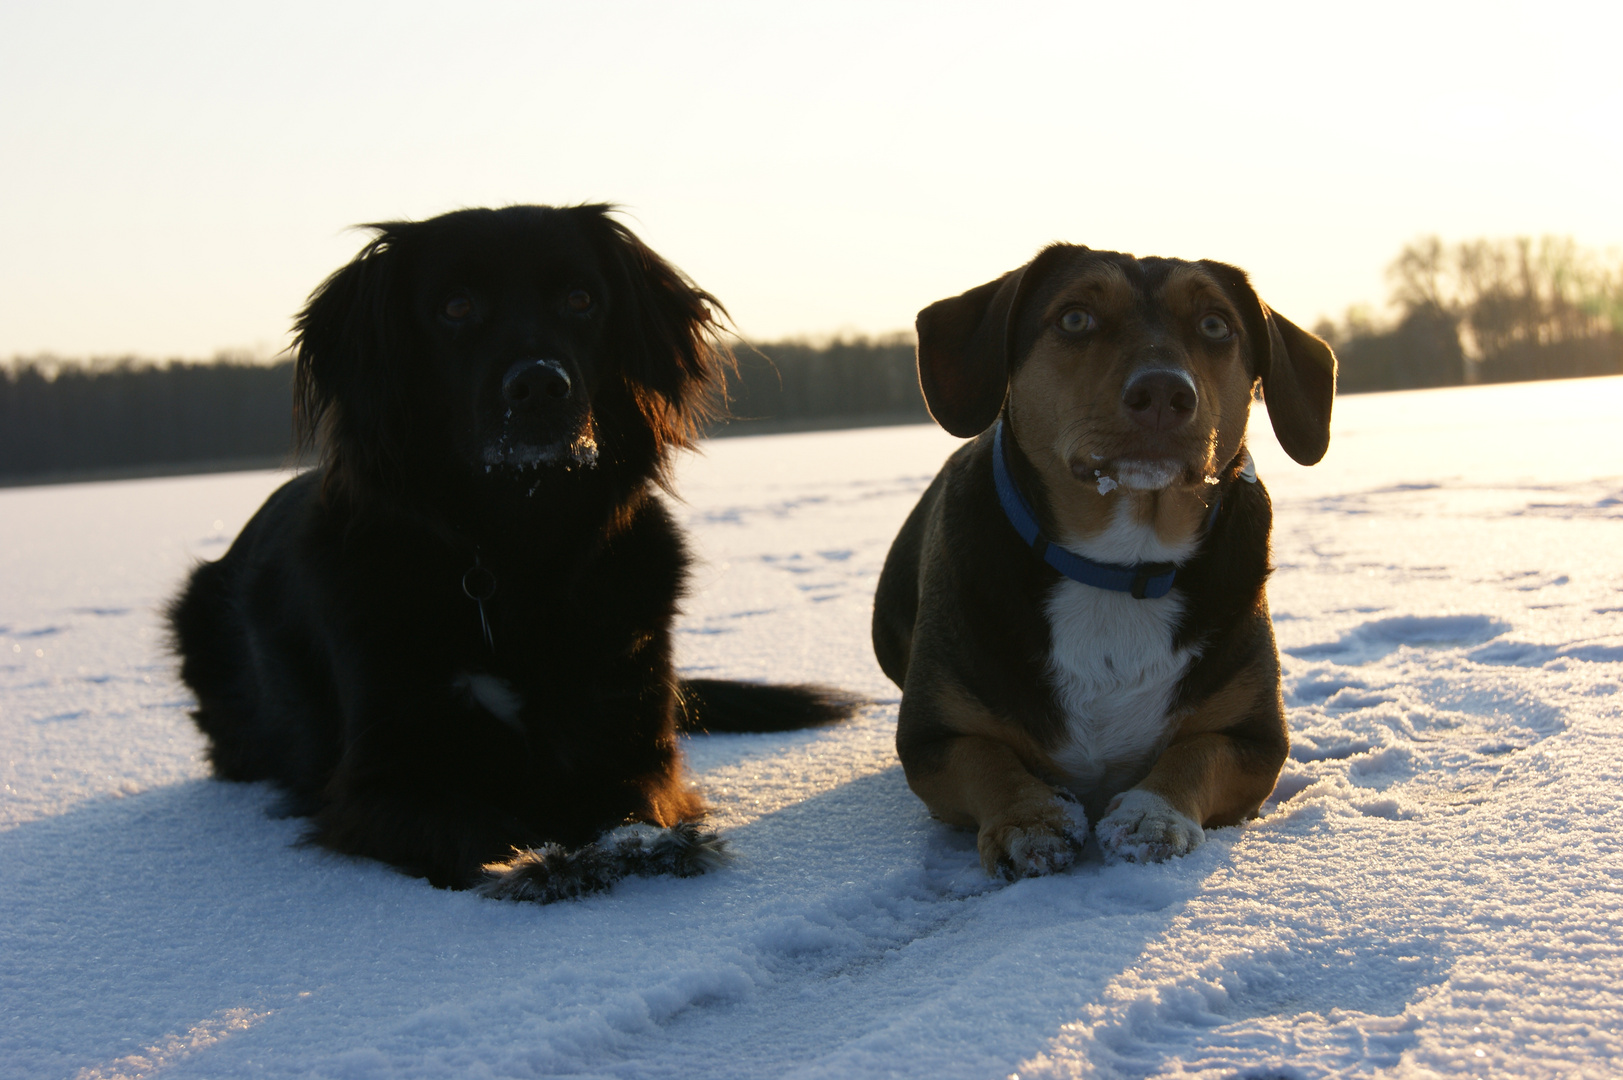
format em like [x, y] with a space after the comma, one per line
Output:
[184, 921]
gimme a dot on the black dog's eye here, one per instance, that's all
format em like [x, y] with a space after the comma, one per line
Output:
[580, 301]
[1214, 328]
[1075, 321]
[458, 307]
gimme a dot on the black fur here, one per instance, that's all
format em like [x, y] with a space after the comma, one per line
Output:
[500, 389]
[555, 872]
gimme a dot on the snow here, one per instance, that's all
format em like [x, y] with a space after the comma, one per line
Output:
[1435, 889]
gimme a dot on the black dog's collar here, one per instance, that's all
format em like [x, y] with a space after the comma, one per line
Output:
[1145, 581]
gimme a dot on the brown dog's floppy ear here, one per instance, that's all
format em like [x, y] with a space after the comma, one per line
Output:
[1298, 370]
[1299, 387]
[963, 355]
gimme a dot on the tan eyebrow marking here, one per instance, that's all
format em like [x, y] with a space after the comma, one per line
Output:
[1190, 286]
[1105, 283]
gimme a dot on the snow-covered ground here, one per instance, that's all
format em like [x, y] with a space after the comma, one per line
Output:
[1436, 888]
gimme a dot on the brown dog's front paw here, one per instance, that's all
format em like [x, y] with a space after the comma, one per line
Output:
[1044, 840]
[1141, 826]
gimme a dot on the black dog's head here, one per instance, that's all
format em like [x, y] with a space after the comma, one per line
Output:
[491, 342]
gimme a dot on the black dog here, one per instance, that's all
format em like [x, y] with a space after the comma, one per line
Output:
[451, 644]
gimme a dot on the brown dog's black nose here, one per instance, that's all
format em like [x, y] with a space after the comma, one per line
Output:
[533, 383]
[1161, 400]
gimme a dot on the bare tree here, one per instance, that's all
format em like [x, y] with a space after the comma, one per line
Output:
[1418, 276]
[1521, 308]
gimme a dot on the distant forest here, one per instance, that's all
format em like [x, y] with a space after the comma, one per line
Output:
[1486, 311]
[1478, 311]
[62, 420]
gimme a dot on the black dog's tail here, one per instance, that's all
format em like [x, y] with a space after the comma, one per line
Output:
[717, 705]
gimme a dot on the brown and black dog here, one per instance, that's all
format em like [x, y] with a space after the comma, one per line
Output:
[1075, 610]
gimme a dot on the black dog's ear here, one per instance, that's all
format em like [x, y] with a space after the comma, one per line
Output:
[964, 354]
[1298, 372]
[670, 346]
[349, 343]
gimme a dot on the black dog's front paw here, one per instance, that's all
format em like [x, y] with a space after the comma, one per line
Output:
[553, 872]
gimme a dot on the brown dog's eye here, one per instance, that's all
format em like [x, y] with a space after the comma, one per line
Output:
[1214, 328]
[1075, 321]
[579, 301]
[458, 307]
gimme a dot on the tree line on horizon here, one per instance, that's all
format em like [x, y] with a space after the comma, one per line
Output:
[1475, 311]
[64, 420]
[1486, 311]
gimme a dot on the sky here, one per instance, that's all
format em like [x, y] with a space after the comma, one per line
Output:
[175, 178]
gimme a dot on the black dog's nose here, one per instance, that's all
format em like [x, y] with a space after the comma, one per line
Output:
[1161, 400]
[532, 383]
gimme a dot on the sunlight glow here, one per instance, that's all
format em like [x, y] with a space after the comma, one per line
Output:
[179, 177]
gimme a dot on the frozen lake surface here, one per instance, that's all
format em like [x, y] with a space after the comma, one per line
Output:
[1435, 888]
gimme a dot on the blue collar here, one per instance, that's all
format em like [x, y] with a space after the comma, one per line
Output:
[1145, 581]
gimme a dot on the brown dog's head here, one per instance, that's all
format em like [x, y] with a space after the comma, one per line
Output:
[1138, 372]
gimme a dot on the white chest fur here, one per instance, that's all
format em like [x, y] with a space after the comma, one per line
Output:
[1112, 665]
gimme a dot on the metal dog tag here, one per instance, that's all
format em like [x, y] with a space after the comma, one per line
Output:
[479, 585]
